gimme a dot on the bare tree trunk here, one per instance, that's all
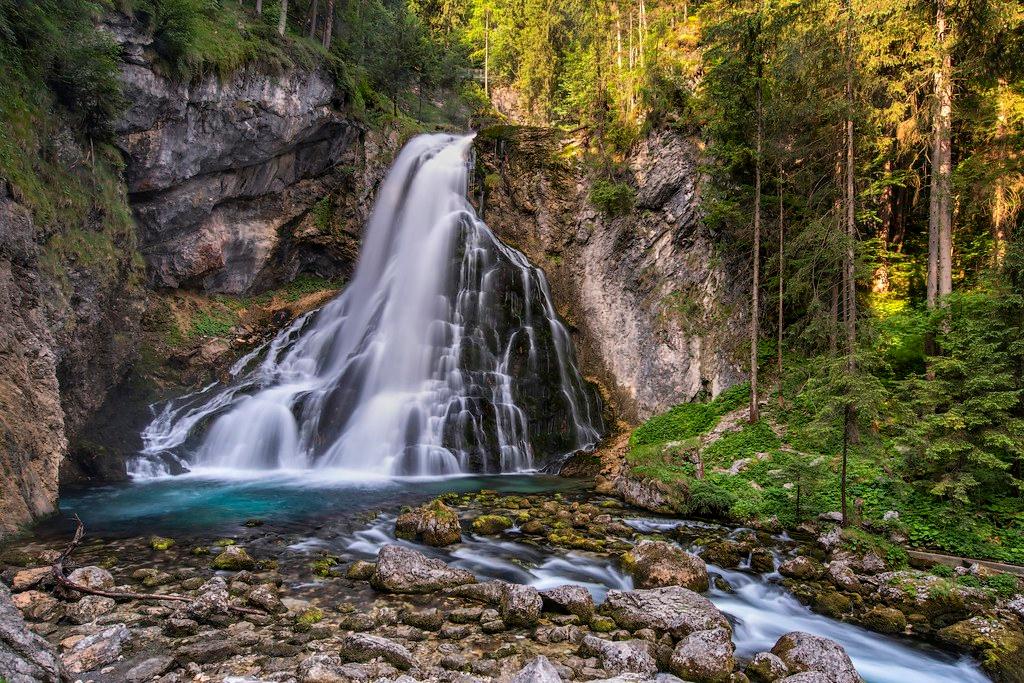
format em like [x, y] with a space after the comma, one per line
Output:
[283, 20]
[849, 275]
[487, 51]
[782, 273]
[259, 7]
[940, 209]
[314, 7]
[328, 25]
[756, 283]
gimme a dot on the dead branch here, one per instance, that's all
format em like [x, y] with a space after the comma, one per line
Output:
[63, 581]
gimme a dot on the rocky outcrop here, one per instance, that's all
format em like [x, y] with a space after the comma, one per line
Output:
[223, 173]
[70, 305]
[657, 311]
[24, 656]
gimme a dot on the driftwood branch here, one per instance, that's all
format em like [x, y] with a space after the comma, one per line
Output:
[63, 581]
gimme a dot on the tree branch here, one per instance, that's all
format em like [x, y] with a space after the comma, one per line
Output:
[65, 582]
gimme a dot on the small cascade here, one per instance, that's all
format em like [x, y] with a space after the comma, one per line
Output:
[444, 355]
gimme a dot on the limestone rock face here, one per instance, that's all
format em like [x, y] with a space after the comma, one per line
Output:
[24, 656]
[222, 172]
[402, 570]
[66, 338]
[657, 316]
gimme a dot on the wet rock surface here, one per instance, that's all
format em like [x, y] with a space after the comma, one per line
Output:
[411, 609]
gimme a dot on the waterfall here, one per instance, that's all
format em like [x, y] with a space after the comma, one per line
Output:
[443, 355]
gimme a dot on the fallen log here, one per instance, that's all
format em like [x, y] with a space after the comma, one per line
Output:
[63, 581]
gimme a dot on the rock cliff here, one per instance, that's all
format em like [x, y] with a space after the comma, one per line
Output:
[221, 173]
[657, 306]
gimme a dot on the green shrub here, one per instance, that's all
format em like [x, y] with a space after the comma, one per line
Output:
[1004, 585]
[613, 199]
[708, 499]
[945, 571]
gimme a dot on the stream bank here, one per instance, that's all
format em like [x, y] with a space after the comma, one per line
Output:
[309, 570]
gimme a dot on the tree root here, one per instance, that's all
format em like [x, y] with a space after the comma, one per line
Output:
[63, 581]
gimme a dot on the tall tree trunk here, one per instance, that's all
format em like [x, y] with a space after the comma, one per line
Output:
[940, 208]
[259, 7]
[849, 275]
[487, 51]
[782, 273]
[283, 20]
[756, 283]
[328, 25]
[314, 7]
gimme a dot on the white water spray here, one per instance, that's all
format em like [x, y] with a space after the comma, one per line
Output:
[443, 355]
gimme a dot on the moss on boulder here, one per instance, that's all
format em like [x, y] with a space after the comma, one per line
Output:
[491, 524]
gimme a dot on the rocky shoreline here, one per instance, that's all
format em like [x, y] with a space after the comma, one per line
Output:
[259, 609]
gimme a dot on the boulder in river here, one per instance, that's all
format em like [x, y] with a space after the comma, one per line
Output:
[673, 610]
[520, 605]
[233, 558]
[801, 567]
[801, 651]
[403, 570]
[360, 647]
[656, 564]
[704, 657]
[619, 657]
[765, 667]
[91, 577]
[24, 656]
[569, 599]
[434, 524]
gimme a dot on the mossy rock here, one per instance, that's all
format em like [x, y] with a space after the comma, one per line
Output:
[160, 543]
[224, 542]
[885, 620]
[999, 647]
[491, 524]
[832, 604]
[306, 620]
[233, 558]
[324, 566]
[602, 624]
[198, 550]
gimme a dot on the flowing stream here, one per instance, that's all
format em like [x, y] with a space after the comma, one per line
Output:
[444, 355]
[759, 607]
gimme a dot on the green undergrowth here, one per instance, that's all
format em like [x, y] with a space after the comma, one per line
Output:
[664, 449]
[194, 38]
[688, 420]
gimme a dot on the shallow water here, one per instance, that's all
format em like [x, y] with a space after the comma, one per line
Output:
[308, 508]
[210, 502]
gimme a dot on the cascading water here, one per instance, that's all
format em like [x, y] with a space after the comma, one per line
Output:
[443, 355]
